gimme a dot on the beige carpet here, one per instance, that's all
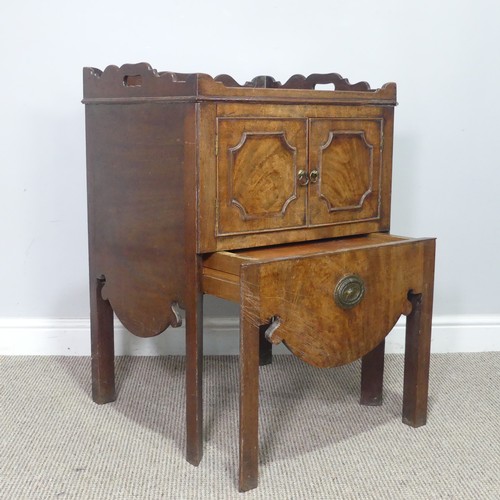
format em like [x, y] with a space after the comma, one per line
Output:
[316, 441]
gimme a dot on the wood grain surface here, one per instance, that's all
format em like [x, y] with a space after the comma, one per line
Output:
[299, 289]
[140, 83]
[265, 193]
[258, 164]
[135, 159]
[257, 152]
[347, 156]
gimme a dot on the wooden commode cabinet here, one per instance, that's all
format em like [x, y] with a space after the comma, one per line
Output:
[275, 196]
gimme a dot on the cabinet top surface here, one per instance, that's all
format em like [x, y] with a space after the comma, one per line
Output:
[139, 82]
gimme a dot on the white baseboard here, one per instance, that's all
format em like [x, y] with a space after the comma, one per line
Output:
[47, 336]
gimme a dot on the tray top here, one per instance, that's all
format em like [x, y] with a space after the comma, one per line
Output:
[140, 81]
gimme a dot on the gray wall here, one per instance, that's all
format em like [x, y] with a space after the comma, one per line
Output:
[443, 56]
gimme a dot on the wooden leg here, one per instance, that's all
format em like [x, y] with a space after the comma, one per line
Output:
[249, 401]
[194, 370]
[418, 347]
[193, 297]
[265, 347]
[102, 345]
[372, 376]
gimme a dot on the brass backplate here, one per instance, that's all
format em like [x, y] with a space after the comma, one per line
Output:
[349, 291]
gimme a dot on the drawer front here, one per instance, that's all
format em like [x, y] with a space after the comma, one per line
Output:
[334, 309]
[258, 168]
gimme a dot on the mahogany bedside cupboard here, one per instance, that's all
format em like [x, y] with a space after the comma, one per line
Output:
[275, 196]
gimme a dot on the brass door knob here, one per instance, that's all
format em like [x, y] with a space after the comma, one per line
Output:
[303, 178]
[314, 176]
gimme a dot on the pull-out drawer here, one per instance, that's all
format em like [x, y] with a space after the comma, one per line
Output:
[331, 301]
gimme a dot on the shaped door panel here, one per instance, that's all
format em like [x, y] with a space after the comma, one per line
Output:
[346, 155]
[257, 170]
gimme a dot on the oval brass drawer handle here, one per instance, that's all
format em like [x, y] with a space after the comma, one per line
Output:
[349, 291]
[314, 176]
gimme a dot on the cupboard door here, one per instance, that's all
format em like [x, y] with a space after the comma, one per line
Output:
[258, 165]
[345, 170]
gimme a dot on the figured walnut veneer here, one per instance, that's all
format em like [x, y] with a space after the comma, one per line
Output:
[296, 284]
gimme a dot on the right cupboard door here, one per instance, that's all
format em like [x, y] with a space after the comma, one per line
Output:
[345, 163]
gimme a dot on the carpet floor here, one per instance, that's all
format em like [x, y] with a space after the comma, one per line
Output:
[316, 441]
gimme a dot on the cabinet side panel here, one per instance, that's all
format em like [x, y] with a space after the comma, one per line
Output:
[135, 165]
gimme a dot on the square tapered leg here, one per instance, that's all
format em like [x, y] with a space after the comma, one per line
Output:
[102, 345]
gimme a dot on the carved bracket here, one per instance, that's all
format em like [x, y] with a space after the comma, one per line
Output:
[271, 331]
[152, 319]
